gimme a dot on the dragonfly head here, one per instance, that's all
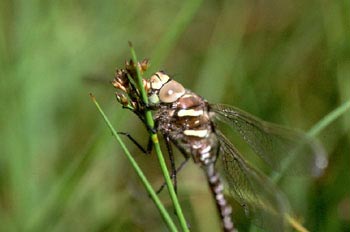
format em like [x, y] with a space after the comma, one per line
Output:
[162, 89]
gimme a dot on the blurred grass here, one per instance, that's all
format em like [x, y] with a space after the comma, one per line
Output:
[60, 170]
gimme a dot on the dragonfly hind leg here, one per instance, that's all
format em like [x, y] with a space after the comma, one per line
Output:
[178, 169]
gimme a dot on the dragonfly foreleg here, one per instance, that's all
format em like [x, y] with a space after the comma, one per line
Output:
[146, 151]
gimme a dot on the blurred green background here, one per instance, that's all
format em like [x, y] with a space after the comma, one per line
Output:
[286, 61]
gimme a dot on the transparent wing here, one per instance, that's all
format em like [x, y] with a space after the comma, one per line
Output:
[262, 201]
[278, 146]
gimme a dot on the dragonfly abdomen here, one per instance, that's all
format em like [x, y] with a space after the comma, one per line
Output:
[217, 189]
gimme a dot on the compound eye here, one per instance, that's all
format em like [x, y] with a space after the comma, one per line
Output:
[158, 80]
[171, 91]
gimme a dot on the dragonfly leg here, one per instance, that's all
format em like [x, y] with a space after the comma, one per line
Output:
[147, 151]
[151, 130]
[172, 162]
[177, 171]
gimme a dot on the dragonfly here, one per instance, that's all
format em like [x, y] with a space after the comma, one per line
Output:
[189, 122]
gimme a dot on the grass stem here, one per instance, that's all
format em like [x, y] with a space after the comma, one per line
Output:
[148, 186]
[150, 124]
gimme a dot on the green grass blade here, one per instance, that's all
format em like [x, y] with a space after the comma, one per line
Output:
[313, 132]
[328, 119]
[150, 123]
[152, 193]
